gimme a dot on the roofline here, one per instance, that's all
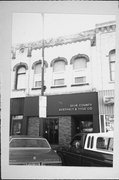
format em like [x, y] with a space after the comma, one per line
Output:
[105, 24]
[51, 42]
[62, 40]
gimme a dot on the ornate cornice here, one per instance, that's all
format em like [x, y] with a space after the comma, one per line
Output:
[106, 27]
[63, 40]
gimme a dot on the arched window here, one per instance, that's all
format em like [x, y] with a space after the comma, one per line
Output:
[79, 63]
[59, 66]
[37, 75]
[37, 69]
[21, 78]
[112, 64]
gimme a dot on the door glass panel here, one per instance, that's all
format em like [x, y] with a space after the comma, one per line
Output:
[86, 126]
[51, 130]
[16, 128]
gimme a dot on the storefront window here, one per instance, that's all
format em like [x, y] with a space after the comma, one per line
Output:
[86, 126]
[102, 124]
[109, 121]
[16, 125]
[51, 130]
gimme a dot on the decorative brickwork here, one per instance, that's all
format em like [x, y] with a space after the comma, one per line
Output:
[33, 126]
[64, 130]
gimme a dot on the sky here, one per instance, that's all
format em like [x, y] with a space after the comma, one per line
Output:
[27, 27]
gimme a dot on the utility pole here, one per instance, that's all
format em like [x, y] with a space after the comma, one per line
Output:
[42, 98]
[42, 75]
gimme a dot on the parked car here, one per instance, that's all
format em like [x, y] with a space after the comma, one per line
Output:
[32, 151]
[93, 149]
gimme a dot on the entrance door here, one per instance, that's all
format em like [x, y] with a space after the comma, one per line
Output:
[16, 125]
[82, 123]
[16, 128]
[51, 130]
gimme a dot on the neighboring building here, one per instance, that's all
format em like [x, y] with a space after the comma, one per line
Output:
[79, 85]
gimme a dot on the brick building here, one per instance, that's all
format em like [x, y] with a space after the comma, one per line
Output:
[79, 85]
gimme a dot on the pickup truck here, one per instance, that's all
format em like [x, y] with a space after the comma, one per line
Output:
[93, 149]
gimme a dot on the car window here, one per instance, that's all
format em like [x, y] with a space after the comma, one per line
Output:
[110, 147]
[104, 143]
[39, 143]
[88, 144]
[92, 142]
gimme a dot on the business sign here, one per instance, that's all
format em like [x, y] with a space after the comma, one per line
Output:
[72, 104]
[108, 100]
[42, 106]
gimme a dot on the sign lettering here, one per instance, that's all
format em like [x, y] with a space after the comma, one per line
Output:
[77, 107]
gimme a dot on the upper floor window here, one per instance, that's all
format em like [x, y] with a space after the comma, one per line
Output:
[37, 69]
[58, 82]
[80, 80]
[37, 76]
[59, 66]
[79, 61]
[112, 64]
[21, 78]
[37, 66]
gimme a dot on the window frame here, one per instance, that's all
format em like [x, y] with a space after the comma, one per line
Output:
[18, 75]
[37, 76]
[83, 78]
[59, 84]
[59, 71]
[112, 62]
[79, 59]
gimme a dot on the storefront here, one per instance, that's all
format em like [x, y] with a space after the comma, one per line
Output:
[67, 115]
[76, 113]
[106, 110]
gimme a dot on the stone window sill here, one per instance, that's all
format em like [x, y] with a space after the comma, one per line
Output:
[18, 89]
[83, 84]
[58, 86]
[111, 82]
[36, 88]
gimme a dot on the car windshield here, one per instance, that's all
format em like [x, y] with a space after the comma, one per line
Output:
[29, 143]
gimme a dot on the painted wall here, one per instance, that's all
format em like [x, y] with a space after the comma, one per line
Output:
[97, 72]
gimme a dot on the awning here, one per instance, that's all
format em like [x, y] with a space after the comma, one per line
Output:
[17, 106]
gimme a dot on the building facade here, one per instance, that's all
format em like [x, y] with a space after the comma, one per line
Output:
[78, 85]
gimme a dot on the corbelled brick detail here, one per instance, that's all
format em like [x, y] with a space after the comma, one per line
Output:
[33, 126]
[64, 130]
